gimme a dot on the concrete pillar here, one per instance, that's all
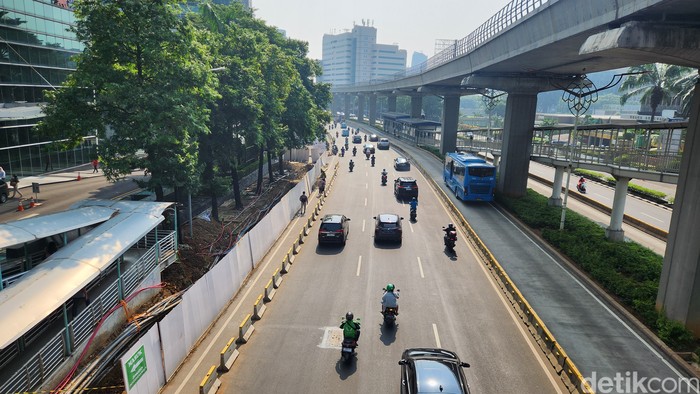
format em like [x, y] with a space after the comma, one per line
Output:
[450, 121]
[391, 103]
[416, 106]
[679, 288]
[614, 232]
[348, 99]
[496, 160]
[372, 110]
[360, 107]
[555, 200]
[517, 143]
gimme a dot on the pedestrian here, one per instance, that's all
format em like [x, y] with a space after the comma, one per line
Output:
[322, 186]
[14, 182]
[94, 165]
[304, 199]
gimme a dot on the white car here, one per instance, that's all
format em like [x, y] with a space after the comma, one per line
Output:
[383, 143]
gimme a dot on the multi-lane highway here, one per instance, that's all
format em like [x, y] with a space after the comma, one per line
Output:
[445, 302]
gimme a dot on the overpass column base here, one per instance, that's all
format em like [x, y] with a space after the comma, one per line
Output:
[554, 201]
[615, 235]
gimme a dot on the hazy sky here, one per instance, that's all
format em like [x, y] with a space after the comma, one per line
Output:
[413, 25]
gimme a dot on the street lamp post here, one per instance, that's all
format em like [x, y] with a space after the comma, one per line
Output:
[579, 95]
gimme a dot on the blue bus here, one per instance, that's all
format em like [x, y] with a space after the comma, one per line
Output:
[470, 177]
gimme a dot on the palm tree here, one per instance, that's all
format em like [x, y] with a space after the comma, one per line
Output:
[654, 83]
[685, 86]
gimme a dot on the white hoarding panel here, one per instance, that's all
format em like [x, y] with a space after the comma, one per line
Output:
[142, 367]
[221, 279]
[175, 346]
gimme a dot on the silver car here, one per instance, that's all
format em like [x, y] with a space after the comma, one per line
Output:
[383, 143]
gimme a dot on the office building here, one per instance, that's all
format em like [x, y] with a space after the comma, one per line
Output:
[355, 56]
[36, 47]
[418, 58]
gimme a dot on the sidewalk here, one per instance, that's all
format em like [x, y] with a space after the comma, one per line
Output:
[60, 176]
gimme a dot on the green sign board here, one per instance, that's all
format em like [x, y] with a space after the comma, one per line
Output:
[136, 367]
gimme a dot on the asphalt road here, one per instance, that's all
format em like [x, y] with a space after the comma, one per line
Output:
[597, 338]
[60, 196]
[445, 301]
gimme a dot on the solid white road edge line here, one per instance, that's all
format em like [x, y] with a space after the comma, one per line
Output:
[228, 320]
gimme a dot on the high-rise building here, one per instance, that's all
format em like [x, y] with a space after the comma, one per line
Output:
[355, 56]
[36, 46]
[418, 58]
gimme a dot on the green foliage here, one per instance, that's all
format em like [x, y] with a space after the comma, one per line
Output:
[435, 151]
[627, 270]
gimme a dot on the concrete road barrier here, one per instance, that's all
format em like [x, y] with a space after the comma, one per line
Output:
[259, 308]
[284, 269]
[269, 291]
[297, 245]
[276, 279]
[290, 255]
[245, 330]
[210, 383]
[301, 237]
[228, 355]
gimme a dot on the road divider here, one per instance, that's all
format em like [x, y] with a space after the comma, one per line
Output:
[276, 279]
[259, 308]
[245, 330]
[290, 255]
[284, 269]
[228, 355]
[210, 383]
[269, 291]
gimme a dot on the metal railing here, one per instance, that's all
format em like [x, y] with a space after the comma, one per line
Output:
[654, 147]
[513, 12]
[37, 369]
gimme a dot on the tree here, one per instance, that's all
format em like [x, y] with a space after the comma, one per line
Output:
[654, 85]
[143, 83]
[685, 87]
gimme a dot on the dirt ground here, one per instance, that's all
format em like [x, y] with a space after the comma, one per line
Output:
[212, 239]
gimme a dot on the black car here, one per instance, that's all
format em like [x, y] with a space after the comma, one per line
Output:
[374, 138]
[401, 164]
[4, 191]
[387, 226]
[432, 370]
[356, 139]
[334, 228]
[405, 187]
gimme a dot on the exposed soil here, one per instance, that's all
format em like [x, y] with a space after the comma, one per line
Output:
[212, 239]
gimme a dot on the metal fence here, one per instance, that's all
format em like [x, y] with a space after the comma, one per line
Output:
[654, 147]
[50, 357]
[513, 12]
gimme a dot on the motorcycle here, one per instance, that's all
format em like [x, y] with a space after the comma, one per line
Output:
[335, 150]
[342, 152]
[413, 214]
[383, 179]
[450, 239]
[347, 350]
[351, 165]
[372, 160]
[354, 151]
[347, 146]
[581, 187]
[390, 313]
[367, 155]
[365, 138]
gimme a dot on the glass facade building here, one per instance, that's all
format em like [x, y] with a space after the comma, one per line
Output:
[36, 49]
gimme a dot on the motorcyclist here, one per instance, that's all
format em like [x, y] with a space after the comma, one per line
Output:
[351, 165]
[342, 151]
[367, 153]
[581, 182]
[354, 150]
[413, 204]
[450, 227]
[351, 328]
[390, 299]
[384, 176]
[365, 137]
[373, 160]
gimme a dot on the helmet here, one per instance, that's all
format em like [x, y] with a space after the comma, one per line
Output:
[413, 199]
[349, 316]
[450, 225]
[390, 287]
[383, 169]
